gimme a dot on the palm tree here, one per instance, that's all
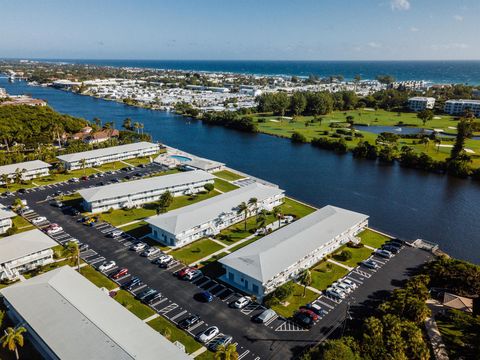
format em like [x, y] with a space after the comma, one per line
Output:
[438, 142]
[83, 165]
[18, 176]
[425, 141]
[227, 353]
[253, 202]
[305, 279]
[127, 124]
[136, 126]
[72, 252]
[13, 338]
[261, 219]
[243, 208]
[277, 212]
[97, 122]
[5, 180]
[141, 126]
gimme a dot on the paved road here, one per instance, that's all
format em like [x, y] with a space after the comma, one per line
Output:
[279, 339]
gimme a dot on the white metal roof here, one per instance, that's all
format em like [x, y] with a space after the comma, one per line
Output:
[6, 214]
[28, 165]
[97, 153]
[25, 243]
[187, 217]
[143, 185]
[79, 321]
[269, 256]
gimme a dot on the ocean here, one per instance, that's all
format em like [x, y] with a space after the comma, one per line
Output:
[438, 72]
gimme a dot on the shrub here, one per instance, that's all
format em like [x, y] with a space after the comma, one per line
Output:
[353, 245]
[298, 137]
[344, 255]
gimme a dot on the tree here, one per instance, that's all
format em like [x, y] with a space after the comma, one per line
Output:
[97, 121]
[337, 350]
[242, 208]
[298, 137]
[136, 126]
[13, 338]
[425, 115]
[127, 124]
[261, 219]
[464, 130]
[5, 180]
[305, 279]
[164, 202]
[253, 203]
[209, 187]
[226, 353]
[277, 212]
[17, 203]
[72, 253]
[83, 165]
[357, 80]
[298, 103]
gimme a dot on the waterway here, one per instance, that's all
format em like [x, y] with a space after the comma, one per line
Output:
[406, 203]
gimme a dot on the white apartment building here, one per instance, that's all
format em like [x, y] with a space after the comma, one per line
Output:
[207, 218]
[28, 170]
[6, 217]
[262, 266]
[458, 107]
[135, 193]
[420, 103]
[24, 252]
[98, 157]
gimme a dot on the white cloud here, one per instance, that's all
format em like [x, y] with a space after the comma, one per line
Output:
[414, 29]
[400, 4]
[374, 45]
[458, 17]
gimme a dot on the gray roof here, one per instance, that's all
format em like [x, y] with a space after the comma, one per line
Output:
[203, 164]
[187, 217]
[143, 185]
[269, 256]
[25, 243]
[28, 165]
[79, 321]
[6, 214]
[93, 154]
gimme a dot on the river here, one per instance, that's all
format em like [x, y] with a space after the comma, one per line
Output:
[406, 203]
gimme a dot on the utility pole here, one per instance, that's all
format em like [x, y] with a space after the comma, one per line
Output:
[347, 315]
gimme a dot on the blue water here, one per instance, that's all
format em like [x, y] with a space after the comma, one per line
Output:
[465, 72]
[408, 203]
[180, 158]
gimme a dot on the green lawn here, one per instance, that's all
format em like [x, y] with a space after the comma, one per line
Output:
[295, 208]
[195, 251]
[97, 278]
[357, 255]
[372, 238]
[136, 307]
[165, 327]
[228, 175]
[137, 230]
[325, 273]
[224, 186]
[294, 301]
[119, 217]
[20, 225]
[452, 338]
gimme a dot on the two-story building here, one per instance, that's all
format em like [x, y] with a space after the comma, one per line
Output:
[26, 170]
[24, 252]
[98, 157]
[419, 103]
[262, 266]
[6, 217]
[135, 193]
[459, 107]
[207, 218]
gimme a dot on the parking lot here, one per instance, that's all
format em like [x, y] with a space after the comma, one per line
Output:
[254, 341]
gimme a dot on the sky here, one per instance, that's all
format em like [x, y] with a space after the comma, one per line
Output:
[241, 29]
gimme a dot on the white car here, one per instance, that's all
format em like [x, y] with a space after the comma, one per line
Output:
[116, 233]
[138, 246]
[334, 293]
[150, 252]
[242, 302]
[54, 230]
[39, 220]
[25, 210]
[383, 253]
[164, 259]
[107, 265]
[349, 283]
[343, 287]
[208, 334]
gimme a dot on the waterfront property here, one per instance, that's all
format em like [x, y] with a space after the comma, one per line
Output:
[26, 170]
[262, 266]
[68, 317]
[5, 219]
[419, 103]
[458, 107]
[98, 157]
[135, 193]
[23, 252]
[207, 218]
[174, 158]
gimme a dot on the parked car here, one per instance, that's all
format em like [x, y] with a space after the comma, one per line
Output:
[309, 312]
[383, 253]
[181, 273]
[241, 302]
[119, 274]
[390, 248]
[25, 210]
[343, 287]
[56, 203]
[107, 265]
[138, 246]
[150, 251]
[205, 296]
[54, 230]
[192, 275]
[74, 180]
[369, 263]
[221, 341]
[21, 191]
[39, 220]
[188, 322]
[303, 320]
[350, 283]
[152, 299]
[83, 247]
[207, 334]
[143, 294]
[134, 282]
[115, 233]
[163, 260]
[84, 178]
[334, 293]
[316, 309]
[264, 316]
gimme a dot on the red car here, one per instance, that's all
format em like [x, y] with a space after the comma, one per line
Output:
[84, 178]
[120, 273]
[310, 313]
[184, 272]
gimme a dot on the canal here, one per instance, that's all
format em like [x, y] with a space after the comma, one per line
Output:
[403, 202]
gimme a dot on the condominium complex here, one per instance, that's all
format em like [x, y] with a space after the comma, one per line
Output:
[26, 170]
[68, 317]
[420, 103]
[262, 266]
[207, 218]
[5, 219]
[458, 107]
[135, 193]
[24, 252]
[107, 155]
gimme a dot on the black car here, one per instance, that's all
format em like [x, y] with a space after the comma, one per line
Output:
[22, 191]
[391, 248]
[303, 320]
[188, 322]
[128, 177]
[129, 285]
[395, 242]
[149, 297]
[152, 299]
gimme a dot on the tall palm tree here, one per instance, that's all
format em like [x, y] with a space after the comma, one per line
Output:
[277, 212]
[83, 165]
[136, 126]
[127, 124]
[243, 209]
[141, 126]
[13, 338]
[226, 353]
[438, 142]
[5, 180]
[305, 279]
[253, 203]
[72, 252]
[261, 219]
[18, 176]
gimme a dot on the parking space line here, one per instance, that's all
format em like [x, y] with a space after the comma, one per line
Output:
[325, 304]
[168, 308]
[97, 260]
[243, 354]
[267, 323]
[162, 300]
[178, 315]
[195, 326]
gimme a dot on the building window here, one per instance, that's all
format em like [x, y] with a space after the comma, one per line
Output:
[255, 288]
[231, 277]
